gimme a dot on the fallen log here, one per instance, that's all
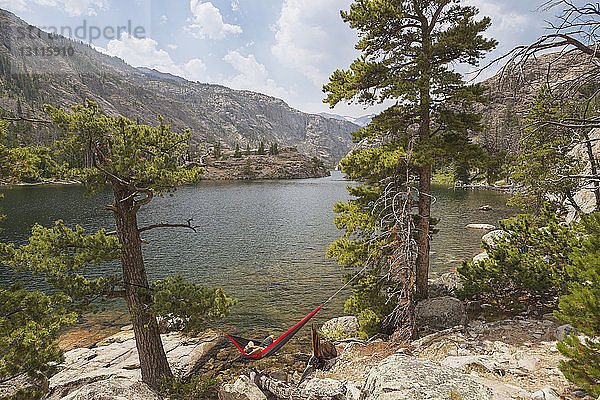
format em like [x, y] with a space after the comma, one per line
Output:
[276, 388]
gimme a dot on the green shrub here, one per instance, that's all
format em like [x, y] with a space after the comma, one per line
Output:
[581, 309]
[370, 304]
[334, 333]
[186, 306]
[247, 169]
[273, 149]
[528, 266]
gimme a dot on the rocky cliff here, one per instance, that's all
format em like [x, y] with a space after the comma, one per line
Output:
[512, 90]
[212, 112]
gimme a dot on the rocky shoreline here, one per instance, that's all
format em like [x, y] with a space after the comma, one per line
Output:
[509, 359]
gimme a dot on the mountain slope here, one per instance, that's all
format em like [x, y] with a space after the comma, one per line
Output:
[212, 112]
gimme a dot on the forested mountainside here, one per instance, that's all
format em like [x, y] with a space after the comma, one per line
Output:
[212, 112]
[511, 92]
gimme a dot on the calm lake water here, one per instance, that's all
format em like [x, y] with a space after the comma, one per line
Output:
[264, 242]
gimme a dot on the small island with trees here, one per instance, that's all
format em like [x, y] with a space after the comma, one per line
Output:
[255, 164]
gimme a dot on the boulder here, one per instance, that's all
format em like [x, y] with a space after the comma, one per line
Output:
[242, 389]
[494, 237]
[353, 391]
[485, 227]
[440, 313]
[585, 198]
[525, 362]
[327, 350]
[278, 376]
[341, 328]
[473, 363]
[564, 330]
[325, 389]
[445, 284]
[481, 256]
[113, 389]
[546, 394]
[399, 377]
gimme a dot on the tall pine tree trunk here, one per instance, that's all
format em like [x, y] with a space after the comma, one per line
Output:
[153, 360]
[424, 173]
[423, 228]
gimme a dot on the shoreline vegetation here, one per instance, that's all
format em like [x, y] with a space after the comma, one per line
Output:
[287, 164]
[220, 173]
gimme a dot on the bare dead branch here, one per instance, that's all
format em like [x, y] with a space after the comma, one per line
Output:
[187, 225]
[25, 119]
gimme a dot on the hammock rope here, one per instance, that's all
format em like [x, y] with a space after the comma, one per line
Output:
[240, 342]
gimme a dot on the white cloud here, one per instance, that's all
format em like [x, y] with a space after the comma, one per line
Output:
[195, 70]
[74, 8]
[249, 75]
[207, 21]
[235, 5]
[14, 5]
[311, 38]
[77, 8]
[141, 53]
[146, 53]
[504, 19]
[252, 75]
[172, 46]
[164, 19]
[513, 23]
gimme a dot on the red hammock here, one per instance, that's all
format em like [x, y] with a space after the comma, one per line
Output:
[278, 343]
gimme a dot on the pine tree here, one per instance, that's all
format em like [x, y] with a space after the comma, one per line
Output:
[137, 162]
[409, 50]
[237, 153]
[261, 149]
[217, 152]
[526, 267]
[248, 149]
[546, 166]
[581, 309]
[30, 322]
[273, 150]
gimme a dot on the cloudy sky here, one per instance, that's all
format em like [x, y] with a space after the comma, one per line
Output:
[283, 48]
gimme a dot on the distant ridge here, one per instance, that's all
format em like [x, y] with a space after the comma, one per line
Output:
[154, 74]
[360, 121]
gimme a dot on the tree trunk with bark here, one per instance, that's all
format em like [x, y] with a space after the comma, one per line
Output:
[422, 278]
[153, 360]
[423, 228]
[593, 167]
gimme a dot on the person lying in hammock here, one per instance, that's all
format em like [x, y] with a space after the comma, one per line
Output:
[252, 349]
